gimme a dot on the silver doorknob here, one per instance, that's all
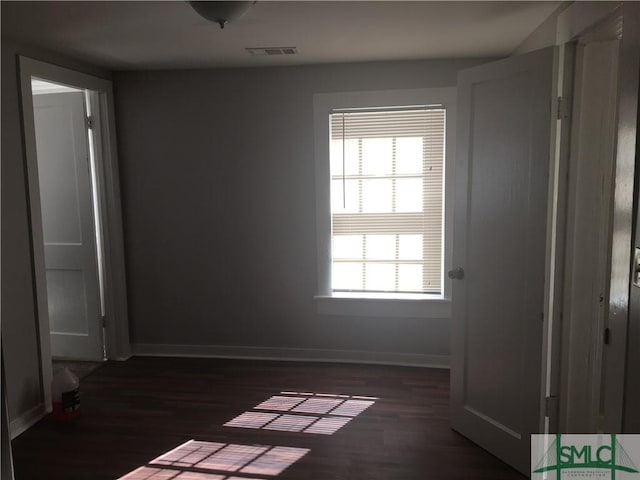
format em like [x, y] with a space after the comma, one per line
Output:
[456, 274]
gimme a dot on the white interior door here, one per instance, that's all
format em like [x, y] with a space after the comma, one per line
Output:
[501, 178]
[64, 174]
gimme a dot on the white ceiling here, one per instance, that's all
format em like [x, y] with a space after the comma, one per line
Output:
[134, 35]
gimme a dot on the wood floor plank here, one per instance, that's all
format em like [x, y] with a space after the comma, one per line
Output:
[134, 411]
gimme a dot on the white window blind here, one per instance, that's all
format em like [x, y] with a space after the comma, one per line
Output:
[387, 199]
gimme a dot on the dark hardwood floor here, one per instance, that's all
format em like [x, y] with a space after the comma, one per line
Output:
[134, 411]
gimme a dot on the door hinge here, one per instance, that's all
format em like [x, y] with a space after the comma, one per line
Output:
[562, 109]
[90, 123]
[607, 336]
[550, 406]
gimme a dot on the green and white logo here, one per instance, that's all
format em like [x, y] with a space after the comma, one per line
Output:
[603, 456]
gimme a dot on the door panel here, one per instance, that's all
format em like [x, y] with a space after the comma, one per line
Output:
[67, 302]
[68, 225]
[504, 133]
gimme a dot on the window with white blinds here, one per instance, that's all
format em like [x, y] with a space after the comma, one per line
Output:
[386, 168]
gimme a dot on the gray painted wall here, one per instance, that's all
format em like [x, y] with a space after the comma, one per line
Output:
[19, 323]
[218, 187]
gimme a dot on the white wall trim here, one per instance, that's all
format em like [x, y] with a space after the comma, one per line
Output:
[21, 423]
[428, 307]
[291, 354]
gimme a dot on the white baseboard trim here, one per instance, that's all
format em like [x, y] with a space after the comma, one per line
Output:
[26, 420]
[291, 354]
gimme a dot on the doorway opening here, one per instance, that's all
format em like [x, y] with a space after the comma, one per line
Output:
[75, 219]
[71, 224]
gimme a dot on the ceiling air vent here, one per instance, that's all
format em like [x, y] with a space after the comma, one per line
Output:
[258, 51]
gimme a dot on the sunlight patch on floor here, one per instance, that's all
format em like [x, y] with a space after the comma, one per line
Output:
[200, 460]
[197, 460]
[331, 412]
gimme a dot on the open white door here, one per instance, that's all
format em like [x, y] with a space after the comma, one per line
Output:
[501, 179]
[69, 229]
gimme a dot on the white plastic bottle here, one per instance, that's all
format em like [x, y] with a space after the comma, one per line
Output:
[65, 390]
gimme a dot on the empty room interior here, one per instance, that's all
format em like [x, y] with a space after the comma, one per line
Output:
[316, 239]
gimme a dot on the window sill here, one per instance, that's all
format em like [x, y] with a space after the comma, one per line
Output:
[363, 304]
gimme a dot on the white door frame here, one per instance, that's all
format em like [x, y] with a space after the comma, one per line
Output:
[556, 230]
[587, 264]
[108, 188]
[578, 20]
[627, 316]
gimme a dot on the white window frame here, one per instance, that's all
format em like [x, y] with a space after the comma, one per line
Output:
[379, 304]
